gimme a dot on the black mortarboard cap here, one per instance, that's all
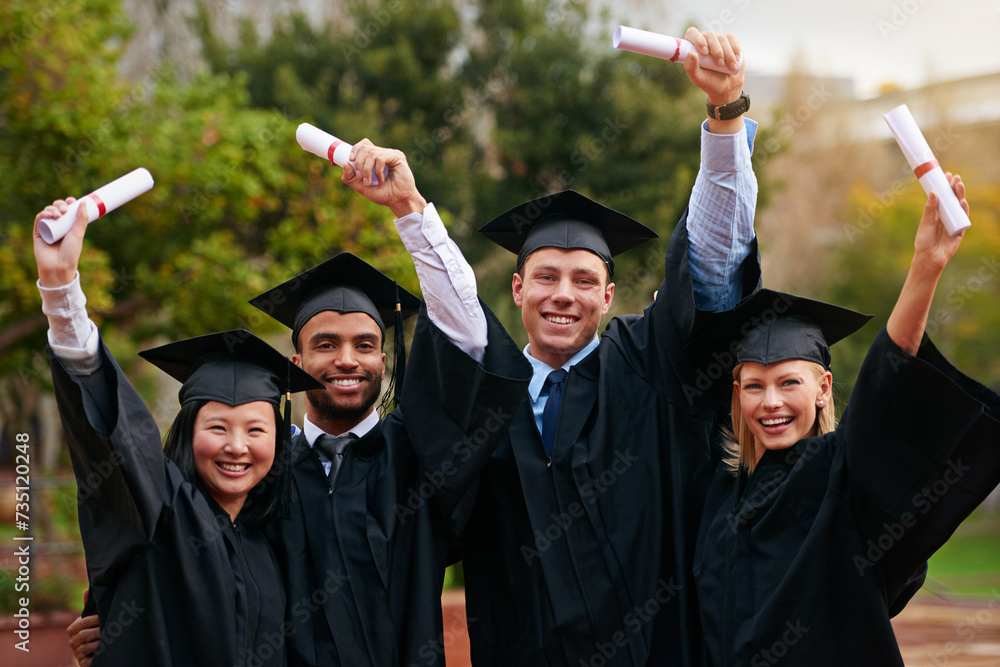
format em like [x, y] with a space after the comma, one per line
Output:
[345, 283]
[775, 326]
[566, 220]
[231, 367]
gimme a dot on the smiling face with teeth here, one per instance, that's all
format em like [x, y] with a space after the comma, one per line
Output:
[562, 295]
[233, 449]
[344, 352]
[779, 401]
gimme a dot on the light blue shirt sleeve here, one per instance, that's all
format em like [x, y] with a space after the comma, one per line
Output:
[720, 217]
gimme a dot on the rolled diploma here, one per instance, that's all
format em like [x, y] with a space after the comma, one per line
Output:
[673, 49]
[927, 170]
[325, 145]
[98, 203]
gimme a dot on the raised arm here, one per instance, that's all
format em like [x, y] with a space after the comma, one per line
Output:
[72, 335]
[113, 440]
[922, 438]
[447, 282]
[724, 196]
[458, 390]
[932, 250]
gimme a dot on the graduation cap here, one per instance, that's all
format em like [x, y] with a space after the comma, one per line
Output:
[775, 326]
[235, 367]
[566, 220]
[346, 284]
[232, 367]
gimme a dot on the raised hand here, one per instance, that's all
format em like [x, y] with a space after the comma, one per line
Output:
[725, 50]
[932, 249]
[934, 246]
[58, 263]
[398, 191]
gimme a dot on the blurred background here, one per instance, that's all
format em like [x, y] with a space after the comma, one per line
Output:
[493, 103]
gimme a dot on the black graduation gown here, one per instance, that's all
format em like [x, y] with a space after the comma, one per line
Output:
[173, 580]
[830, 535]
[364, 563]
[585, 559]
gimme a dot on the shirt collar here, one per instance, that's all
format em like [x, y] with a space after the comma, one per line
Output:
[312, 431]
[540, 370]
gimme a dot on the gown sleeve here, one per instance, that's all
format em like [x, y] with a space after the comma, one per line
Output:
[114, 444]
[922, 443]
[456, 409]
[655, 346]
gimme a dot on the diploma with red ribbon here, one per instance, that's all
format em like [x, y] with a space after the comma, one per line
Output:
[325, 145]
[926, 168]
[98, 203]
[673, 49]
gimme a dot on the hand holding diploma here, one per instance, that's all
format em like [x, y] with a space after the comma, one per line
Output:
[935, 244]
[722, 83]
[97, 204]
[933, 248]
[325, 145]
[58, 262]
[398, 191]
[674, 49]
[926, 168]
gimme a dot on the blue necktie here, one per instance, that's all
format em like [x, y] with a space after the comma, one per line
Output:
[554, 383]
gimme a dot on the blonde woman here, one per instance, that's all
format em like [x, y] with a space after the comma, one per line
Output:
[814, 535]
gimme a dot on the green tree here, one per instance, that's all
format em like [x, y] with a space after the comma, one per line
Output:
[237, 204]
[870, 266]
[493, 105]
[570, 111]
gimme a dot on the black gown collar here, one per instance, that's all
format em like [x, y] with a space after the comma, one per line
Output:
[772, 463]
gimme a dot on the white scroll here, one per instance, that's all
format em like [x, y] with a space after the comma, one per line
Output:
[673, 49]
[325, 145]
[98, 203]
[926, 168]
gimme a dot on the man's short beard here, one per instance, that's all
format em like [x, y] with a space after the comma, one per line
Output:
[327, 409]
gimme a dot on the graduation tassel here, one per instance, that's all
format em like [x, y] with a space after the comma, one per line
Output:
[395, 388]
[283, 495]
[399, 344]
[286, 426]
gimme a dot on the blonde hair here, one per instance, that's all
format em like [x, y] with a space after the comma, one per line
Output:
[739, 443]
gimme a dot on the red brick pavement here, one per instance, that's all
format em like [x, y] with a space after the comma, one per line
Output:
[931, 633]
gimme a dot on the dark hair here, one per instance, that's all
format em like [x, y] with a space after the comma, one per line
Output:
[270, 498]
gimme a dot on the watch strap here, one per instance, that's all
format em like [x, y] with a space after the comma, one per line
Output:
[729, 111]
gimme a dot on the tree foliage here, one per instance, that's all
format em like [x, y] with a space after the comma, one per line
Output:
[870, 266]
[493, 103]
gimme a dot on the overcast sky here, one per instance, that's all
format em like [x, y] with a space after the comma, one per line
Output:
[906, 42]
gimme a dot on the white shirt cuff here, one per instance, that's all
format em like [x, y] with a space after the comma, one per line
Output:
[72, 335]
[447, 281]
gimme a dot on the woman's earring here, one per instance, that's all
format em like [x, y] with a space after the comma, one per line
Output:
[821, 403]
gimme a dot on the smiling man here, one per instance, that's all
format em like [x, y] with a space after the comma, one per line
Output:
[579, 549]
[363, 563]
[364, 549]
